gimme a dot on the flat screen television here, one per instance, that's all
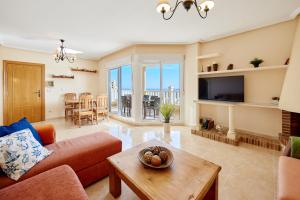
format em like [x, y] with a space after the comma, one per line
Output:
[230, 88]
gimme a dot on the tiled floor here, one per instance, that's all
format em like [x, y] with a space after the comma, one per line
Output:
[248, 172]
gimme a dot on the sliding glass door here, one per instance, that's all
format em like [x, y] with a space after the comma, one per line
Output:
[120, 90]
[162, 84]
[171, 87]
[152, 92]
[126, 90]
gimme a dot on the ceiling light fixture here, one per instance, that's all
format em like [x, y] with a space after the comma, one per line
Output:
[164, 7]
[62, 53]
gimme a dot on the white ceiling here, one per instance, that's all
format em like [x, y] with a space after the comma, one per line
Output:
[98, 27]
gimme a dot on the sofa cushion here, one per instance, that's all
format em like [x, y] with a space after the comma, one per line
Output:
[46, 133]
[79, 153]
[288, 178]
[84, 151]
[18, 126]
[60, 183]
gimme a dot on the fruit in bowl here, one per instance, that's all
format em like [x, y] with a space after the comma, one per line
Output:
[155, 160]
[148, 156]
[156, 157]
[163, 156]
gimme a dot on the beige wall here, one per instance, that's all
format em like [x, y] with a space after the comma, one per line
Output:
[53, 96]
[190, 84]
[273, 44]
[159, 49]
[290, 97]
[104, 63]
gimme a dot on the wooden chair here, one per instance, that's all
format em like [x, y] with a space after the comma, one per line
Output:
[101, 107]
[123, 105]
[85, 110]
[84, 94]
[69, 107]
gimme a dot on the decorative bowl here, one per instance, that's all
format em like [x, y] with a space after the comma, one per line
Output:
[166, 164]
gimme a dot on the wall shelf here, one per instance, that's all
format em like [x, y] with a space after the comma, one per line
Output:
[207, 56]
[63, 76]
[248, 104]
[83, 70]
[244, 70]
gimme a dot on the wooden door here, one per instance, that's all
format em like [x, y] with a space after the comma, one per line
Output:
[23, 91]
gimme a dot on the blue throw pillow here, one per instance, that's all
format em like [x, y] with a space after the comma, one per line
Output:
[18, 126]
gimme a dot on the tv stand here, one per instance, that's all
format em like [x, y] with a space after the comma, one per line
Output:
[231, 109]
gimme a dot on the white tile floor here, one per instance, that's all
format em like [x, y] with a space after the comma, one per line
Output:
[248, 172]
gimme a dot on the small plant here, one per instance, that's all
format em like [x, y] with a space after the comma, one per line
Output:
[256, 62]
[167, 110]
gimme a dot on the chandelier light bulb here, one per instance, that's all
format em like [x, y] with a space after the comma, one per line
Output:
[207, 5]
[163, 6]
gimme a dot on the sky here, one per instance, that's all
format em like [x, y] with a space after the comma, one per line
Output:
[170, 76]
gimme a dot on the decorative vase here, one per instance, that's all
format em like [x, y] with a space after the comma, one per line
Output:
[209, 68]
[275, 102]
[230, 67]
[256, 65]
[215, 67]
[167, 127]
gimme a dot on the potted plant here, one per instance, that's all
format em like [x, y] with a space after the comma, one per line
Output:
[256, 62]
[166, 111]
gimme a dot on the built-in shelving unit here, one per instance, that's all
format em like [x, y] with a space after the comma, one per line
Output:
[249, 104]
[244, 70]
[207, 56]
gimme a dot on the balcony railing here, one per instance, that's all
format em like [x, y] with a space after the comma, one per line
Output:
[168, 96]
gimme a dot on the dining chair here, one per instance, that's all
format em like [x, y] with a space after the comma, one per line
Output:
[69, 107]
[129, 103]
[85, 110]
[123, 104]
[84, 94]
[101, 107]
[154, 105]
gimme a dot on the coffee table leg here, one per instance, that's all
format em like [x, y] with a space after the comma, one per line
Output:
[114, 182]
[212, 193]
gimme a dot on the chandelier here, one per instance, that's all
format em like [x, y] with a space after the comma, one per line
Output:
[62, 53]
[164, 7]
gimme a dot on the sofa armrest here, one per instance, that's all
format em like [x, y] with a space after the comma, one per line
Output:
[47, 133]
[57, 183]
[288, 178]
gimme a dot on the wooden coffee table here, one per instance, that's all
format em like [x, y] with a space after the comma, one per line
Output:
[189, 177]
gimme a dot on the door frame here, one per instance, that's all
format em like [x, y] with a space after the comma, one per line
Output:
[109, 89]
[5, 89]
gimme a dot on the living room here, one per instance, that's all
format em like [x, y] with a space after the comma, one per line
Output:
[114, 109]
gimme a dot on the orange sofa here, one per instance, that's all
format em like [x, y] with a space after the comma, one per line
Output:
[60, 183]
[288, 177]
[86, 155]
